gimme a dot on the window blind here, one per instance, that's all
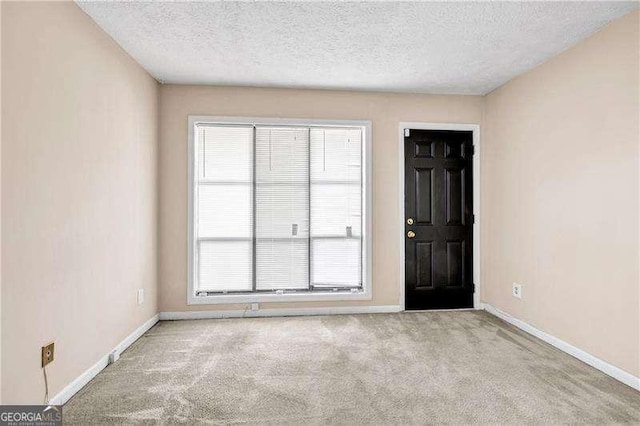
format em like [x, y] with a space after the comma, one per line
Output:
[277, 208]
[336, 207]
[282, 208]
[224, 213]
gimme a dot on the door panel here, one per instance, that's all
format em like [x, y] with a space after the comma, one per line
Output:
[439, 202]
[424, 149]
[455, 263]
[454, 196]
[424, 252]
[423, 196]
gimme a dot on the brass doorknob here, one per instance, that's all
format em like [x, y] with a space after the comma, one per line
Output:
[410, 221]
[411, 234]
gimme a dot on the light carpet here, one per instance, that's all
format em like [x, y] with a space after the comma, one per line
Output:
[406, 368]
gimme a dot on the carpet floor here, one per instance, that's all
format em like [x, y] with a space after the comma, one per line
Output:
[406, 368]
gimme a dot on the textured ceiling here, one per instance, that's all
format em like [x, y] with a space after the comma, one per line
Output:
[435, 47]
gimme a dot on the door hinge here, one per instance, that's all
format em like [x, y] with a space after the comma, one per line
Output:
[473, 150]
[406, 133]
[473, 287]
[473, 218]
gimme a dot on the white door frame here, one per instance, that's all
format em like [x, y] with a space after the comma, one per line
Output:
[475, 128]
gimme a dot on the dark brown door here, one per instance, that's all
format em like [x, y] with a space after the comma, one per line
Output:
[438, 219]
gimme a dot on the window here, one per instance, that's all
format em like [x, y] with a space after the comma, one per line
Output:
[278, 210]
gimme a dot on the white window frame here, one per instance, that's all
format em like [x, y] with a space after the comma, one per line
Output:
[364, 293]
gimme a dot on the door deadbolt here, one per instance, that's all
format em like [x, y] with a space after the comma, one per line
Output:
[411, 234]
[410, 221]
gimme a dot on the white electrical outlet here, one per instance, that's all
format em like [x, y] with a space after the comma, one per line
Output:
[255, 306]
[140, 296]
[517, 290]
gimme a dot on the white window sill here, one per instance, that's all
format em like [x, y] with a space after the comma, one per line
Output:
[317, 296]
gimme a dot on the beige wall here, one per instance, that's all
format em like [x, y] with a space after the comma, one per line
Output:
[79, 195]
[560, 195]
[384, 110]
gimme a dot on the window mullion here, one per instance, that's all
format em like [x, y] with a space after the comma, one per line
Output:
[253, 214]
[309, 247]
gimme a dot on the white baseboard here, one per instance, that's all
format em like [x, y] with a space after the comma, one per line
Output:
[429, 311]
[611, 370]
[289, 312]
[72, 388]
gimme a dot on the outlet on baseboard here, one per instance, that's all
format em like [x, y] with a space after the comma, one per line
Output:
[114, 356]
[517, 290]
[140, 296]
[255, 306]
